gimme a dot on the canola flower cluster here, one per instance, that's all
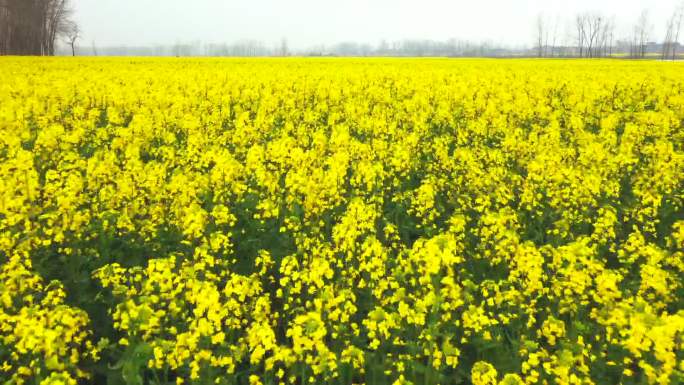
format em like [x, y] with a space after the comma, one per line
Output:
[341, 221]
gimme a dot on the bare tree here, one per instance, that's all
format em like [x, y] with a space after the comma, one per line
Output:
[605, 37]
[580, 21]
[642, 31]
[611, 35]
[634, 43]
[284, 50]
[668, 43]
[546, 40]
[57, 14]
[540, 29]
[677, 27]
[177, 48]
[593, 29]
[555, 36]
[72, 32]
[589, 28]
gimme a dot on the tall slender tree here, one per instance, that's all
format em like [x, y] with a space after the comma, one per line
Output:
[580, 25]
[676, 28]
[72, 32]
[540, 27]
[642, 32]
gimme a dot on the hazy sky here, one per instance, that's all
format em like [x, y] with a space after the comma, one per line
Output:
[312, 22]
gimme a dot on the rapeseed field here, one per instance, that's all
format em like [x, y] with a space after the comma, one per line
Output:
[341, 221]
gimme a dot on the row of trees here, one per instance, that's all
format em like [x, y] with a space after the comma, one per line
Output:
[32, 27]
[674, 27]
[594, 36]
[256, 48]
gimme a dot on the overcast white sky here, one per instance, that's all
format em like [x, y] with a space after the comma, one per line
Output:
[313, 22]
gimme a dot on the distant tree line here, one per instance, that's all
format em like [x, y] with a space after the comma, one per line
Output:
[255, 48]
[672, 34]
[585, 35]
[32, 27]
[405, 48]
[593, 35]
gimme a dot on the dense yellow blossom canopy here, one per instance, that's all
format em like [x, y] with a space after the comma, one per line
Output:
[341, 221]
